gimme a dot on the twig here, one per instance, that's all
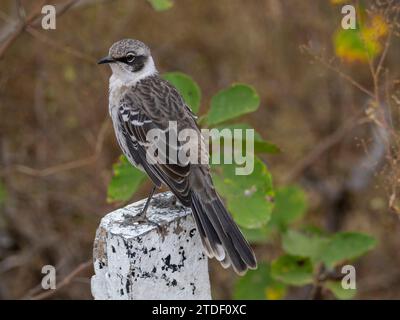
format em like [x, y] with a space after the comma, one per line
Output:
[31, 21]
[322, 147]
[68, 165]
[38, 35]
[55, 169]
[386, 48]
[21, 27]
[316, 291]
[339, 72]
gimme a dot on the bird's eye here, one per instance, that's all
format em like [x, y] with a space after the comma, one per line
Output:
[130, 57]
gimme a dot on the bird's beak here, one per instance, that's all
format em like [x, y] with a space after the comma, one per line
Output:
[106, 59]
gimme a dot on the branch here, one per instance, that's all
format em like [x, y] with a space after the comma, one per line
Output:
[21, 27]
[68, 165]
[39, 36]
[31, 21]
[363, 171]
[338, 71]
[387, 45]
[323, 147]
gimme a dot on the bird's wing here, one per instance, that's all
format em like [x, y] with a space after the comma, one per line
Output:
[151, 105]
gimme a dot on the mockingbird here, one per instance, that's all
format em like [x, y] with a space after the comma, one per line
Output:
[139, 101]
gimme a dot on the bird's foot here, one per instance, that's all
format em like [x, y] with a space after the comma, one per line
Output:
[172, 200]
[161, 228]
[142, 218]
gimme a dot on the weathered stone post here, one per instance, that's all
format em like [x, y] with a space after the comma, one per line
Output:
[142, 261]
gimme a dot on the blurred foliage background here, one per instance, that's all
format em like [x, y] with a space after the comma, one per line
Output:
[327, 97]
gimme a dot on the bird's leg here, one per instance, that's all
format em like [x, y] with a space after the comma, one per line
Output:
[141, 217]
[142, 214]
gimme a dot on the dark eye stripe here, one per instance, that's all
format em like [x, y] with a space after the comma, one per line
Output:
[125, 60]
[137, 64]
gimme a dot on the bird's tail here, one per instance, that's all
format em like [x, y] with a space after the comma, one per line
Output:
[220, 235]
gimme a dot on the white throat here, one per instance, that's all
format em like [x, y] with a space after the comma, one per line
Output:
[131, 78]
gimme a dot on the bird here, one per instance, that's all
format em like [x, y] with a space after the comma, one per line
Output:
[140, 100]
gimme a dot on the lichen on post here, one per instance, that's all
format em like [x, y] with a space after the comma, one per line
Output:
[140, 260]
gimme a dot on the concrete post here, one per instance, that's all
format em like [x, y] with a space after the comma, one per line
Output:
[141, 261]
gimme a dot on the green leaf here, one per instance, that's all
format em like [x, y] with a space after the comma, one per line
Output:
[233, 102]
[161, 5]
[292, 270]
[290, 205]
[314, 230]
[338, 291]
[328, 249]
[259, 236]
[363, 43]
[302, 245]
[125, 181]
[248, 197]
[345, 246]
[187, 87]
[260, 145]
[266, 147]
[258, 285]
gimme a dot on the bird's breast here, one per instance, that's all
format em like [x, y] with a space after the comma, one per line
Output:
[117, 89]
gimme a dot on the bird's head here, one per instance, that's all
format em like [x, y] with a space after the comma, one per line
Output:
[130, 60]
